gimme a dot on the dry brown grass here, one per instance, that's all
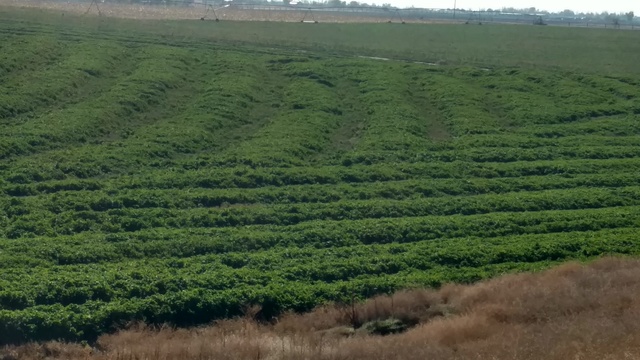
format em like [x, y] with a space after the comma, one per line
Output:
[570, 312]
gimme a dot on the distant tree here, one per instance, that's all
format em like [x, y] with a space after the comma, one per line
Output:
[567, 12]
[630, 15]
[613, 19]
[286, 2]
[354, 4]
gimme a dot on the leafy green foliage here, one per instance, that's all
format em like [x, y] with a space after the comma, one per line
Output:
[165, 181]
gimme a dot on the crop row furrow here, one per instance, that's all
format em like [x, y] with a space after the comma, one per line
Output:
[499, 155]
[133, 290]
[48, 178]
[393, 123]
[246, 177]
[531, 142]
[29, 222]
[299, 128]
[619, 126]
[102, 200]
[171, 243]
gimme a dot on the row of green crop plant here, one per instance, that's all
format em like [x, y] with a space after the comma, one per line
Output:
[47, 178]
[488, 102]
[145, 277]
[230, 100]
[26, 199]
[134, 156]
[382, 93]
[306, 114]
[30, 221]
[623, 126]
[524, 97]
[91, 161]
[450, 45]
[156, 74]
[77, 68]
[158, 243]
[499, 154]
[567, 96]
[215, 111]
[310, 93]
[527, 141]
[21, 55]
[83, 301]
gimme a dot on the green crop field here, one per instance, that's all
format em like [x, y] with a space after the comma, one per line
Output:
[178, 171]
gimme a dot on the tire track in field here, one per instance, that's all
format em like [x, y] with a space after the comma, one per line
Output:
[298, 128]
[354, 115]
[391, 124]
[436, 130]
[247, 79]
[462, 106]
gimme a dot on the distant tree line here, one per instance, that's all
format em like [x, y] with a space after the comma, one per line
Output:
[567, 14]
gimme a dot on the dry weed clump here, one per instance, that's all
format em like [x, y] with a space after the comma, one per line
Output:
[411, 307]
[571, 312]
[49, 350]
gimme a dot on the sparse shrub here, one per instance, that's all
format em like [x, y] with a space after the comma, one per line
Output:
[384, 327]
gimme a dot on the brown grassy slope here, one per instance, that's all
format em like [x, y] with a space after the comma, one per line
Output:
[570, 312]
